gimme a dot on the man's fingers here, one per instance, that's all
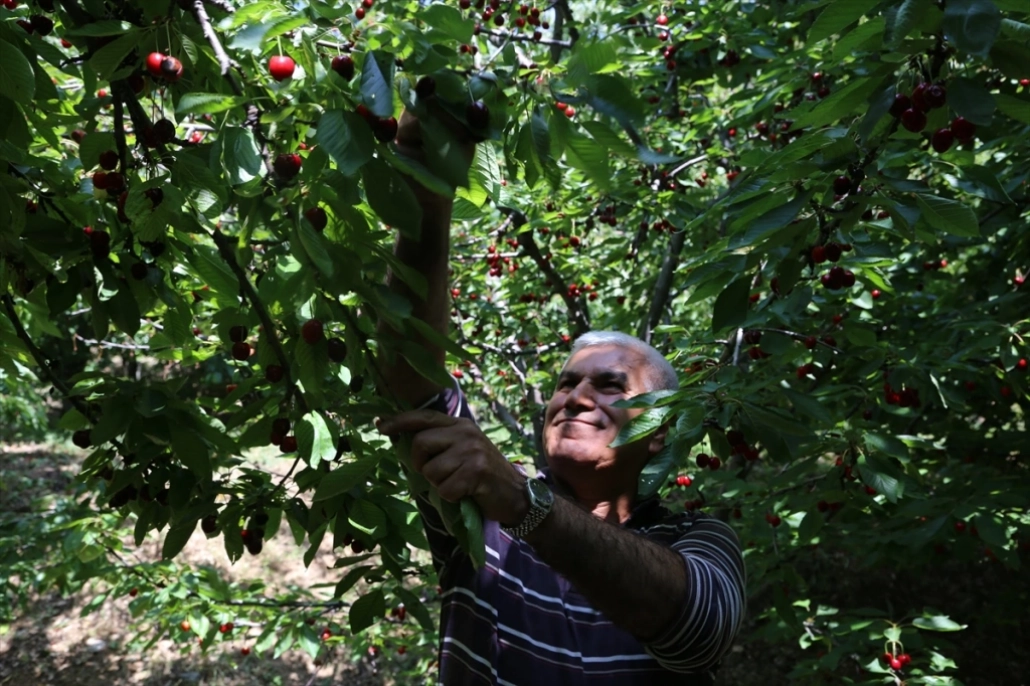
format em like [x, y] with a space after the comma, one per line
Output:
[414, 421]
[430, 443]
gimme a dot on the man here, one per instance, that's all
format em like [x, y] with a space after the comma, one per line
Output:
[584, 583]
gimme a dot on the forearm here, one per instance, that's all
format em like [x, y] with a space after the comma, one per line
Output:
[428, 255]
[638, 584]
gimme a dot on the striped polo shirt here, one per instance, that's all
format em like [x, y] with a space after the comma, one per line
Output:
[517, 622]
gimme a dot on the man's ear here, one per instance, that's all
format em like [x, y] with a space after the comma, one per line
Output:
[657, 441]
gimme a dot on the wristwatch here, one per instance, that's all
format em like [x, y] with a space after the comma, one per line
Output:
[541, 500]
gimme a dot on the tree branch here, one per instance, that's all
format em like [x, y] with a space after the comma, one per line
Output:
[577, 315]
[41, 359]
[663, 285]
[225, 63]
[268, 326]
[555, 43]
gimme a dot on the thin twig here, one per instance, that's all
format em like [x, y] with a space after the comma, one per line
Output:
[225, 62]
[41, 359]
[268, 326]
[512, 36]
[577, 315]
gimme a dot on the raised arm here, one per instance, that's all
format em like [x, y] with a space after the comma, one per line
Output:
[429, 257]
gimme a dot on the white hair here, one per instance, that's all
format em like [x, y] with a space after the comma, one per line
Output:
[660, 374]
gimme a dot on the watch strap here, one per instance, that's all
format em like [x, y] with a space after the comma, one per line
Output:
[539, 508]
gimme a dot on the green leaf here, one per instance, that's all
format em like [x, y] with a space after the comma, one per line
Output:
[125, 311]
[971, 100]
[391, 198]
[106, 27]
[352, 577]
[730, 308]
[346, 138]
[92, 146]
[882, 476]
[377, 83]
[216, 274]
[367, 610]
[972, 25]
[316, 248]
[368, 518]
[641, 426]
[810, 526]
[314, 439]
[1013, 107]
[16, 78]
[836, 16]
[1015, 29]
[770, 222]
[888, 445]
[906, 19]
[590, 158]
[612, 95]
[986, 182]
[865, 37]
[840, 103]
[191, 450]
[241, 155]
[109, 58]
[448, 20]
[177, 538]
[416, 608]
[344, 477]
[950, 216]
[937, 623]
[473, 520]
[207, 103]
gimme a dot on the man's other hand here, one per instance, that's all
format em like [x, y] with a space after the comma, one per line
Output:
[454, 455]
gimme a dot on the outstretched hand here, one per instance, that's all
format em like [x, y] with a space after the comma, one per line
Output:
[457, 458]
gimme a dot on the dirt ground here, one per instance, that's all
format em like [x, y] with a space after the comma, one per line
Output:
[52, 645]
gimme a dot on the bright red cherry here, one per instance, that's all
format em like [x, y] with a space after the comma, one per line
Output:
[662, 20]
[281, 67]
[154, 62]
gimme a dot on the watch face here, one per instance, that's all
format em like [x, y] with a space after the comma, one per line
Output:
[540, 492]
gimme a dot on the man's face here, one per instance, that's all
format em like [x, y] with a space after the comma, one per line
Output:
[580, 421]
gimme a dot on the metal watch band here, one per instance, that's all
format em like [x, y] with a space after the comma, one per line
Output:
[537, 513]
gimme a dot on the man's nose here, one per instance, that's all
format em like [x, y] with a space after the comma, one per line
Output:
[580, 397]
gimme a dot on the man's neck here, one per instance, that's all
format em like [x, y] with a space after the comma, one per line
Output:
[607, 503]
